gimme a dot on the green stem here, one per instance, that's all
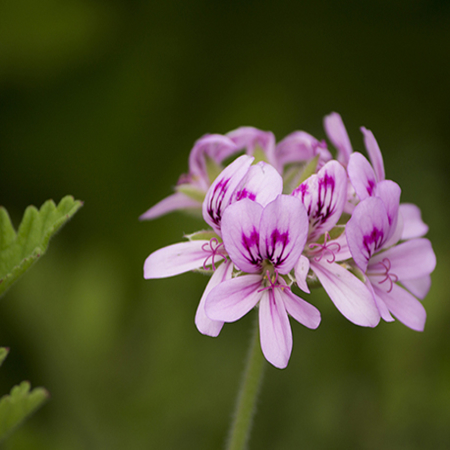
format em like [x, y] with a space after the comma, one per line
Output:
[245, 407]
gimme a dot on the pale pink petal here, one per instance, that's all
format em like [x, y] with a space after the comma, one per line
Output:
[367, 230]
[350, 296]
[390, 192]
[215, 146]
[361, 176]
[248, 138]
[241, 236]
[303, 312]
[382, 308]
[275, 329]
[300, 146]
[234, 298]
[171, 203]
[324, 196]
[283, 231]
[419, 286]
[220, 193]
[374, 153]
[175, 259]
[343, 251]
[404, 307]
[409, 260]
[413, 226]
[301, 270]
[262, 184]
[337, 134]
[204, 324]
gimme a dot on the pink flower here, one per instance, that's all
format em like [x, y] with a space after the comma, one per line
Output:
[371, 232]
[264, 243]
[324, 196]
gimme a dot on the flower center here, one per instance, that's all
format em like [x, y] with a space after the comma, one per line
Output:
[388, 276]
[270, 281]
[216, 248]
[330, 248]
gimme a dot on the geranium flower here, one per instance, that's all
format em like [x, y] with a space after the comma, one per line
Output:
[370, 233]
[264, 243]
[324, 196]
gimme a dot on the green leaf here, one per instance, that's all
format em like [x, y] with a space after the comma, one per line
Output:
[310, 169]
[204, 235]
[19, 251]
[3, 354]
[18, 405]
[259, 155]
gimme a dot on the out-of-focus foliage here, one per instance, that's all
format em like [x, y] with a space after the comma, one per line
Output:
[104, 99]
[18, 251]
[22, 402]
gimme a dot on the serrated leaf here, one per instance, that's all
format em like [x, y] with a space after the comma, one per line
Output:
[18, 405]
[18, 251]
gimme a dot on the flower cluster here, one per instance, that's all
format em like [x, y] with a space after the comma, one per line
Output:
[288, 214]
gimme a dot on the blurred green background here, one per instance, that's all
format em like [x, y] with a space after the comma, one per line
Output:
[104, 100]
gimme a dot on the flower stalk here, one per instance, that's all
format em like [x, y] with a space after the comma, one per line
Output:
[248, 394]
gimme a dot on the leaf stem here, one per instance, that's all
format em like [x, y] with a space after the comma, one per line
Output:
[248, 393]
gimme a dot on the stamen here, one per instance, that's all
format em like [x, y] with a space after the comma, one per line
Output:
[273, 282]
[386, 263]
[215, 249]
[320, 249]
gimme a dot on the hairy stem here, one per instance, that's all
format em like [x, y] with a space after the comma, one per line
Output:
[248, 393]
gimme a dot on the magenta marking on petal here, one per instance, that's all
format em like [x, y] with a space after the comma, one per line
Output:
[371, 187]
[251, 243]
[373, 241]
[215, 249]
[276, 240]
[215, 202]
[245, 194]
[326, 247]
[386, 263]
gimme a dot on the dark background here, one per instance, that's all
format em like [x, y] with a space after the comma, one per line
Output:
[104, 100]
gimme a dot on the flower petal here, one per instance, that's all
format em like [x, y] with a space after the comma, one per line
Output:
[175, 259]
[374, 153]
[303, 312]
[413, 226]
[300, 146]
[241, 236]
[382, 308]
[419, 287]
[234, 298]
[324, 196]
[262, 184]
[337, 134]
[275, 329]
[204, 324]
[361, 176]
[390, 192]
[220, 193]
[367, 230]
[301, 270]
[249, 138]
[171, 203]
[404, 306]
[350, 296]
[409, 260]
[284, 228]
[215, 146]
